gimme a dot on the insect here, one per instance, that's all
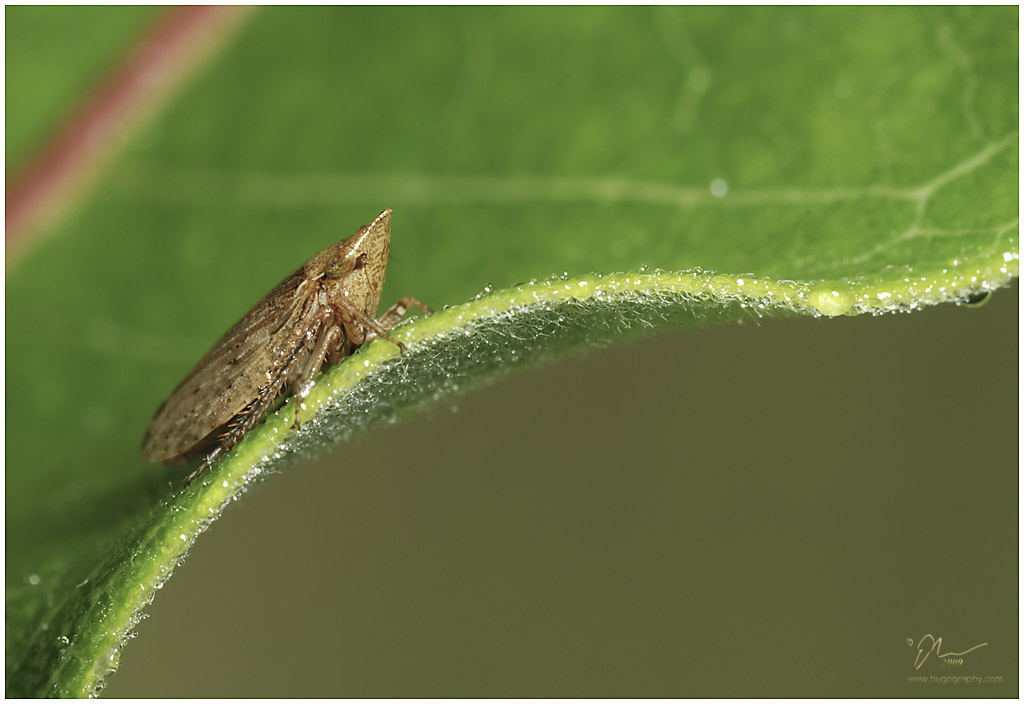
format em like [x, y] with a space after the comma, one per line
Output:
[322, 312]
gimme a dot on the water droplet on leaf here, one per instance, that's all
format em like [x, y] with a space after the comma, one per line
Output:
[832, 298]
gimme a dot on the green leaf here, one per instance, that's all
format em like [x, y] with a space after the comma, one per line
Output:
[767, 161]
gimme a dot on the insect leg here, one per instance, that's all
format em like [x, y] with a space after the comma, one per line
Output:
[338, 352]
[394, 314]
[238, 427]
[301, 378]
[368, 324]
[204, 466]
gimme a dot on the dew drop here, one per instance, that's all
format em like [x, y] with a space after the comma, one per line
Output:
[831, 298]
[977, 300]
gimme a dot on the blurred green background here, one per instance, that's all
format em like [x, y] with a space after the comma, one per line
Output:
[767, 509]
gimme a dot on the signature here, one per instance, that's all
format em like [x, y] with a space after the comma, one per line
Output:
[929, 644]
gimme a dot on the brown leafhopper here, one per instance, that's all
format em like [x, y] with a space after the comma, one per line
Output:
[322, 312]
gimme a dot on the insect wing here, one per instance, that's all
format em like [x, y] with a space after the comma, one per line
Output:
[229, 377]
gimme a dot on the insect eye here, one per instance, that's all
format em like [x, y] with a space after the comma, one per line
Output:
[347, 266]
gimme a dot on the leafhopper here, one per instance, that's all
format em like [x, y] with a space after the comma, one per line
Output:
[321, 313]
